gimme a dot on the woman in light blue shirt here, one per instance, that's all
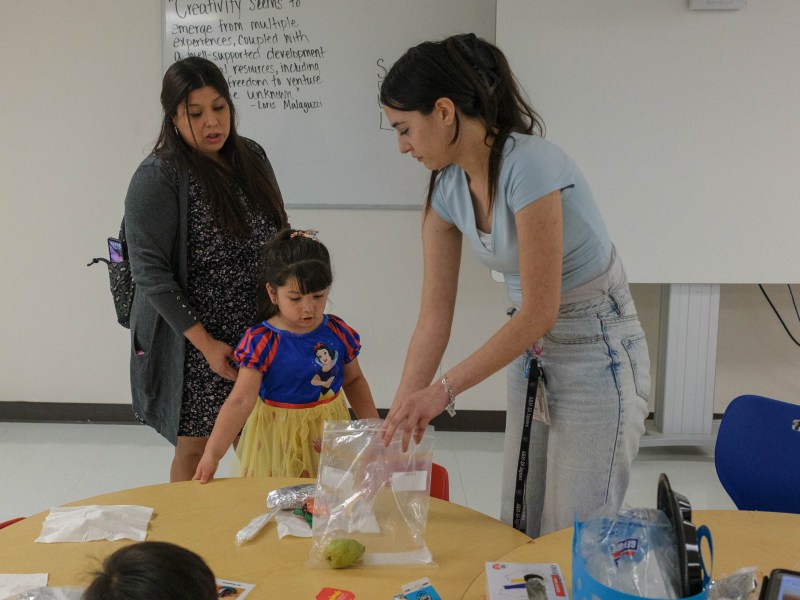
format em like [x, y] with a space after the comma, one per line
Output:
[578, 368]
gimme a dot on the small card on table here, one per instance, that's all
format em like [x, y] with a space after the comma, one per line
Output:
[233, 589]
[508, 581]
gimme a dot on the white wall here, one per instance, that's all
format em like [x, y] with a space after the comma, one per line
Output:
[80, 110]
[684, 121]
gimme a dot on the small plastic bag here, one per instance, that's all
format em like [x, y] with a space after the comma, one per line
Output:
[51, 593]
[739, 585]
[251, 530]
[375, 495]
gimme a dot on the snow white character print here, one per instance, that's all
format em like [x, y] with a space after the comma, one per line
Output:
[327, 360]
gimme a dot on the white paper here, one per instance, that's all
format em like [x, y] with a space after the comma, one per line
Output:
[409, 481]
[337, 479]
[421, 556]
[94, 522]
[12, 584]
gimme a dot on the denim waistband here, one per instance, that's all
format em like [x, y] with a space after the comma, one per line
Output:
[618, 300]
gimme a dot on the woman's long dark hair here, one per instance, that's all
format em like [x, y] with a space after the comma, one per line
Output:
[475, 75]
[292, 254]
[243, 167]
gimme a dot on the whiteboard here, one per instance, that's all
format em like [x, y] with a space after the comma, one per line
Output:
[686, 124]
[305, 76]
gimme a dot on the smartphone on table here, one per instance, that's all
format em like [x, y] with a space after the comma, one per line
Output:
[782, 584]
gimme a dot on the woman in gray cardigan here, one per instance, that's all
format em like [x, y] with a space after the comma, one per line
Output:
[197, 212]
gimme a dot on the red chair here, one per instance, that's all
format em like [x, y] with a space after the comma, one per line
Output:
[440, 482]
[10, 522]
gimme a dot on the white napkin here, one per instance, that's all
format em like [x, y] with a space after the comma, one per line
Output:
[289, 524]
[93, 522]
[12, 584]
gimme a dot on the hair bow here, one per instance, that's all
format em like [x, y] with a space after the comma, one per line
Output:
[306, 233]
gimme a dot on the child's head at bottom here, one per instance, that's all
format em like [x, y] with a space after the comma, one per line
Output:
[294, 257]
[153, 571]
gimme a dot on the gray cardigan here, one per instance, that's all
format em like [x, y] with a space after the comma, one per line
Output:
[156, 221]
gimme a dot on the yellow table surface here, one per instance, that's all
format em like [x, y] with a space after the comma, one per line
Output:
[205, 519]
[740, 538]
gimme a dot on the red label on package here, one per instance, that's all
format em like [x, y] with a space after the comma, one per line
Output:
[334, 594]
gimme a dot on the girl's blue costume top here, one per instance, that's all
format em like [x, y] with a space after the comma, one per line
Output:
[298, 368]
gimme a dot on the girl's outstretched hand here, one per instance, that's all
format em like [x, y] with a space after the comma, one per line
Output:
[411, 413]
[206, 468]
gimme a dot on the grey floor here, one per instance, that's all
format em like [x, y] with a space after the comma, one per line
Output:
[46, 465]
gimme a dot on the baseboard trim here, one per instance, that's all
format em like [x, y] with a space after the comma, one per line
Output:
[66, 412]
[74, 412]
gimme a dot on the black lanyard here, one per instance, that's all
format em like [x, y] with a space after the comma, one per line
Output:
[535, 373]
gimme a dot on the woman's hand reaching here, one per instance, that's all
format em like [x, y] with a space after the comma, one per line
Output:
[411, 413]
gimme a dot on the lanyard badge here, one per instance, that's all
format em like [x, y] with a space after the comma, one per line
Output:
[537, 383]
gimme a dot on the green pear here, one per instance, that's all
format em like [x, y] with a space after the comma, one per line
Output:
[343, 552]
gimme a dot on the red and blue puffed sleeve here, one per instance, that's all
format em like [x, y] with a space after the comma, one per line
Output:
[348, 336]
[257, 348]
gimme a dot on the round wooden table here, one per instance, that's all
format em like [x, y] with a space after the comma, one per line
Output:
[206, 518]
[741, 539]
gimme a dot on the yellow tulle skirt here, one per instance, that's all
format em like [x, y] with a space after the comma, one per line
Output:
[286, 442]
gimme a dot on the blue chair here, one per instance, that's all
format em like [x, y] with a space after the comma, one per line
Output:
[757, 454]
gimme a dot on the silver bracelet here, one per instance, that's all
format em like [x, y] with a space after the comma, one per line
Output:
[451, 404]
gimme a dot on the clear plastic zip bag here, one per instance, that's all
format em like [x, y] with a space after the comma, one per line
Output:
[374, 495]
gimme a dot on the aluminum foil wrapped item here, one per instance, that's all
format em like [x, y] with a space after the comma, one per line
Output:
[285, 498]
[291, 497]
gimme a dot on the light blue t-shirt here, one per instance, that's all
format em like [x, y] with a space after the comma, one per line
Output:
[532, 167]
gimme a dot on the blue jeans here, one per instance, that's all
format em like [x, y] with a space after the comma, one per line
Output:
[598, 380]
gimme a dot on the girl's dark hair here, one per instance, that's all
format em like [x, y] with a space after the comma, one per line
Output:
[292, 254]
[475, 75]
[153, 571]
[243, 167]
